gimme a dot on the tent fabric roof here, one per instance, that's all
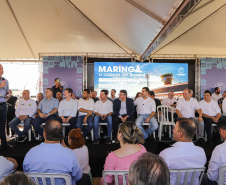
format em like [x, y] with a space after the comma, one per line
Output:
[200, 34]
[29, 28]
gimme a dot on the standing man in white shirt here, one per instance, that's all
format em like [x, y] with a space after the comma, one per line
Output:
[25, 113]
[184, 154]
[186, 108]
[210, 113]
[216, 95]
[218, 159]
[103, 113]
[146, 108]
[68, 109]
[86, 108]
[171, 101]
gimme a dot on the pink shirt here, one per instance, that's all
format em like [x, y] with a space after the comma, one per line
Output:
[113, 162]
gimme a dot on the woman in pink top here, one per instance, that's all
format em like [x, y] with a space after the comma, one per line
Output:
[129, 137]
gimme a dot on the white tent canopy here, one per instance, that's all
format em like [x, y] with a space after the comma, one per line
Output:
[200, 34]
[30, 28]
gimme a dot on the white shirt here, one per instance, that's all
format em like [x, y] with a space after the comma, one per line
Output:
[103, 108]
[218, 159]
[169, 102]
[26, 107]
[187, 108]
[123, 109]
[145, 106]
[87, 105]
[82, 155]
[6, 168]
[216, 97]
[211, 108]
[183, 155]
[68, 108]
[224, 107]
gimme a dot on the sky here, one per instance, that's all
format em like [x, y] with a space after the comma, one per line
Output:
[21, 76]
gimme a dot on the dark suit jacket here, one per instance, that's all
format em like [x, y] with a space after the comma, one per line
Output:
[129, 107]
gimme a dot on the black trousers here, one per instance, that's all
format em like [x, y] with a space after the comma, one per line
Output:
[3, 115]
[72, 121]
[208, 127]
[116, 121]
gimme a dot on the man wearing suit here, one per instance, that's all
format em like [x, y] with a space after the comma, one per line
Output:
[123, 109]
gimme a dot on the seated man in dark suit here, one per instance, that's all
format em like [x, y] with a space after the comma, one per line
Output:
[123, 109]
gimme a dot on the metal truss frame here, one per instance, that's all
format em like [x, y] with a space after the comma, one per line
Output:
[197, 79]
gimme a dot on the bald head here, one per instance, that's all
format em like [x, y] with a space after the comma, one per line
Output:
[52, 130]
[26, 94]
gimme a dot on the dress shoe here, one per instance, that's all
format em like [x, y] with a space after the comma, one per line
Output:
[7, 146]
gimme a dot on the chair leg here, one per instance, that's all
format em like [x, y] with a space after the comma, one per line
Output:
[63, 129]
[170, 131]
[29, 134]
[160, 132]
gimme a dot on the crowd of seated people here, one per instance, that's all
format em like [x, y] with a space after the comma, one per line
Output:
[115, 111]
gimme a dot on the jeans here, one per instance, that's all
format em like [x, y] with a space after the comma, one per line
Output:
[38, 121]
[27, 124]
[154, 124]
[97, 120]
[88, 129]
[72, 121]
[3, 115]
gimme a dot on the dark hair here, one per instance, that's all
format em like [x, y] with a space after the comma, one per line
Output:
[17, 178]
[187, 126]
[224, 92]
[152, 93]
[56, 79]
[41, 94]
[69, 90]
[208, 91]
[114, 90]
[137, 95]
[50, 89]
[53, 130]
[222, 124]
[149, 169]
[146, 89]
[216, 88]
[77, 138]
[124, 92]
[104, 91]
[86, 90]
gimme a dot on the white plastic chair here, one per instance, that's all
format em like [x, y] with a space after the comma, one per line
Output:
[29, 131]
[52, 176]
[163, 119]
[222, 171]
[64, 125]
[116, 173]
[185, 173]
[101, 124]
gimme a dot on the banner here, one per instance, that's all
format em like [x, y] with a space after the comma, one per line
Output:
[69, 69]
[159, 77]
[213, 74]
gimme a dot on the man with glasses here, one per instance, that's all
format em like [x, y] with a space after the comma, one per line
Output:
[123, 109]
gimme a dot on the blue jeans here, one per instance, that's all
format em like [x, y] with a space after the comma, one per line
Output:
[79, 123]
[154, 124]
[3, 115]
[38, 121]
[27, 124]
[97, 120]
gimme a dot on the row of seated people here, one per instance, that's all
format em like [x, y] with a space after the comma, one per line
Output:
[53, 156]
[121, 110]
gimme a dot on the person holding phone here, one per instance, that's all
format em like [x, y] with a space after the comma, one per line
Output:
[57, 87]
[171, 101]
[4, 93]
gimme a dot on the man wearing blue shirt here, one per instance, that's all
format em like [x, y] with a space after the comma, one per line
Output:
[52, 157]
[47, 110]
[68, 109]
[4, 91]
